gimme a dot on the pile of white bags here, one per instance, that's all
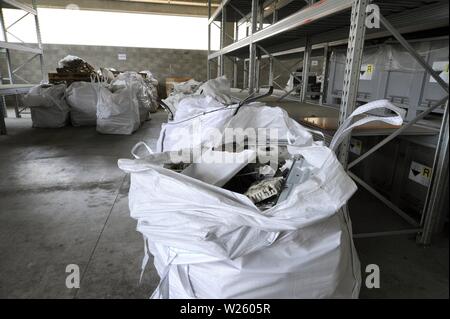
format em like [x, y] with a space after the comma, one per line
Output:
[82, 98]
[48, 106]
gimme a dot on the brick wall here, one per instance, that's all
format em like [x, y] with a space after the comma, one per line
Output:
[161, 62]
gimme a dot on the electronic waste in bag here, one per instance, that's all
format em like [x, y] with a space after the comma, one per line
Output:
[249, 229]
[48, 106]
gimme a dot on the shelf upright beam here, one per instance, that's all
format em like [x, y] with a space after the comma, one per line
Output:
[2, 117]
[323, 87]
[7, 52]
[208, 65]
[253, 48]
[223, 35]
[39, 39]
[306, 66]
[271, 71]
[246, 76]
[260, 17]
[235, 72]
[352, 69]
[433, 203]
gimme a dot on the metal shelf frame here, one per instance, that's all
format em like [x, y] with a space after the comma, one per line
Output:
[37, 52]
[313, 20]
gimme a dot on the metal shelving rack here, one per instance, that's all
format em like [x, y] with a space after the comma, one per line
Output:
[11, 87]
[324, 24]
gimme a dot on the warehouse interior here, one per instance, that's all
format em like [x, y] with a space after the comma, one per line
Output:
[80, 188]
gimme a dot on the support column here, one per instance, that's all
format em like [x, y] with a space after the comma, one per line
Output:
[235, 72]
[208, 64]
[275, 14]
[260, 17]
[39, 39]
[271, 75]
[306, 68]
[253, 50]
[246, 75]
[223, 35]
[352, 69]
[323, 87]
[9, 66]
[8, 56]
[258, 72]
[434, 202]
[2, 117]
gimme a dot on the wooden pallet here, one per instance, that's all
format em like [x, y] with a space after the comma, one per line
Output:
[68, 78]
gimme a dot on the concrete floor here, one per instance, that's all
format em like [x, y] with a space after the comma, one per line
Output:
[64, 201]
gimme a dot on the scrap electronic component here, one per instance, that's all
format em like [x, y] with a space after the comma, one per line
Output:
[263, 190]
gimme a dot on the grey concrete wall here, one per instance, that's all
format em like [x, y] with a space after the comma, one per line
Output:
[161, 62]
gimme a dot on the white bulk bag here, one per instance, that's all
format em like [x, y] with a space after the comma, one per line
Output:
[178, 134]
[143, 91]
[208, 242]
[152, 85]
[82, 99]
[118, 112]
[48, 106]
[198, 115]
[219, 89]
[260, 116]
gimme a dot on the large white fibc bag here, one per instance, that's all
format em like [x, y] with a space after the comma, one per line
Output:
[219, 89]
[118, 112]
[208, 242]
[178, 134]
[82, 99]
[48, 106]
[198, 117]
[144, 93]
